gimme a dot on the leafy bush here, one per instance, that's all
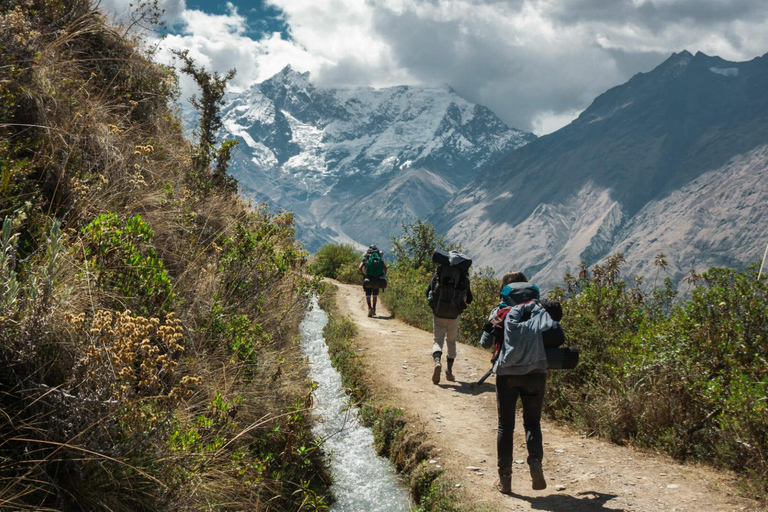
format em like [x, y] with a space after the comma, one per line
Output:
[349, 274]
[415, 246]
[333, 259]
[125, 260]
[692, 382]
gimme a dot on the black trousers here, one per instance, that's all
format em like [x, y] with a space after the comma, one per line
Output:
[530, 389]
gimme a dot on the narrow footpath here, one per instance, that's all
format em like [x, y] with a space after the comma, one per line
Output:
[582, 474]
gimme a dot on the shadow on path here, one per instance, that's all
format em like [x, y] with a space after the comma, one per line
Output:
[469, 388]
[591, 502]
[379, 317]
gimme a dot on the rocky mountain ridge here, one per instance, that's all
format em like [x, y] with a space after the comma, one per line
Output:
[674, 162]
[353, 164]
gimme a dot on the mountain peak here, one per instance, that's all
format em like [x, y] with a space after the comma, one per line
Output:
[676, 59]
[290, 77]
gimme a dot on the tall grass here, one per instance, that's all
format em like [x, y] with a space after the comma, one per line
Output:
[148, 317]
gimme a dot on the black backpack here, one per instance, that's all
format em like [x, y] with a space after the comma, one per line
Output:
[447, 299]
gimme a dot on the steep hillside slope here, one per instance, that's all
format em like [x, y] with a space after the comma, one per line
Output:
[148, 317]
[351, 164]
[616, 178]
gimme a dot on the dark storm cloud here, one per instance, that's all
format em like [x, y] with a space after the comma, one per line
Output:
[536, 58]
[486, 67]
[654, 15]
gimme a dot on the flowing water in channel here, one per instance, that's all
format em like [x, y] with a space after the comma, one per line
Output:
[362, 481]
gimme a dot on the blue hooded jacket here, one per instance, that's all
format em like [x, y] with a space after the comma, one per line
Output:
[523, 347]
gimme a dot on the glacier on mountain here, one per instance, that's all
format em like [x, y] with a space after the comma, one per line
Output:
[327, 155]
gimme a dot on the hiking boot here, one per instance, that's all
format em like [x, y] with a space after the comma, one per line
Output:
[449, 376]
[436, 372]
[370, 312]
[374, 310]
[505, 483]
[537, 475]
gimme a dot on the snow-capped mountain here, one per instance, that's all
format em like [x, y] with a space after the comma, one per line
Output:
[675, 161]
[353, 164]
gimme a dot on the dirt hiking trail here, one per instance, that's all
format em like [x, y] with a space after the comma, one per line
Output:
[459, 420]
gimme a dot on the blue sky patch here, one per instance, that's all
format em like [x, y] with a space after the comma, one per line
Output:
[262, 19]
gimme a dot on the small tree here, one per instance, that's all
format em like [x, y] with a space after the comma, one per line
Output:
[209, 106]
[331, 258]
[414, 247]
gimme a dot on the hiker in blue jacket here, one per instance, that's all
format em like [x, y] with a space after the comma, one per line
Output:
[516, 327]
[372, 265]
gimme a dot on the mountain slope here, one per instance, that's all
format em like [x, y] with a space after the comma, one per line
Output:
[614, 179]
[352, 164]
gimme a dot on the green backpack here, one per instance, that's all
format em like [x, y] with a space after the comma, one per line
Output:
[374, 267]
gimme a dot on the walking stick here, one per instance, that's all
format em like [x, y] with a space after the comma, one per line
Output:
[482, 379]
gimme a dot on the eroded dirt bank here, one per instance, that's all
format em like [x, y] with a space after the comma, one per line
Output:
[582, 474]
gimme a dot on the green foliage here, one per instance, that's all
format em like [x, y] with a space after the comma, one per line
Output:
[35, 289]
[690, 378]
[124, 257]
[349, 274]
[339, 333]
[257, 256]
[431, 492]
[241, 335]
[9, 283]
[14, 169]
[415, 246]
[405, 294]
[485, 297]
[331, 258]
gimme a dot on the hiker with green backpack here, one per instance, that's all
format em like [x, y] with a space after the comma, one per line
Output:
[374, 272]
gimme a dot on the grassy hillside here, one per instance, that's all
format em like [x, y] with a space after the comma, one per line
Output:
[148, 317]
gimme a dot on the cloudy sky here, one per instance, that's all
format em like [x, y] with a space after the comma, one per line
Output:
[536, 63]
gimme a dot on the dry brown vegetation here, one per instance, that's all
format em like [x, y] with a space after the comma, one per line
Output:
[148, 316]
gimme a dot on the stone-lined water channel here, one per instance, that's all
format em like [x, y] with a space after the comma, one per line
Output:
[362, 481]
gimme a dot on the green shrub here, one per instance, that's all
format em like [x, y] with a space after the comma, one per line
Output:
[416, 244]
[405, 295]
[125, 260]
[349, 274]
[331, 258]
[689, 379]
